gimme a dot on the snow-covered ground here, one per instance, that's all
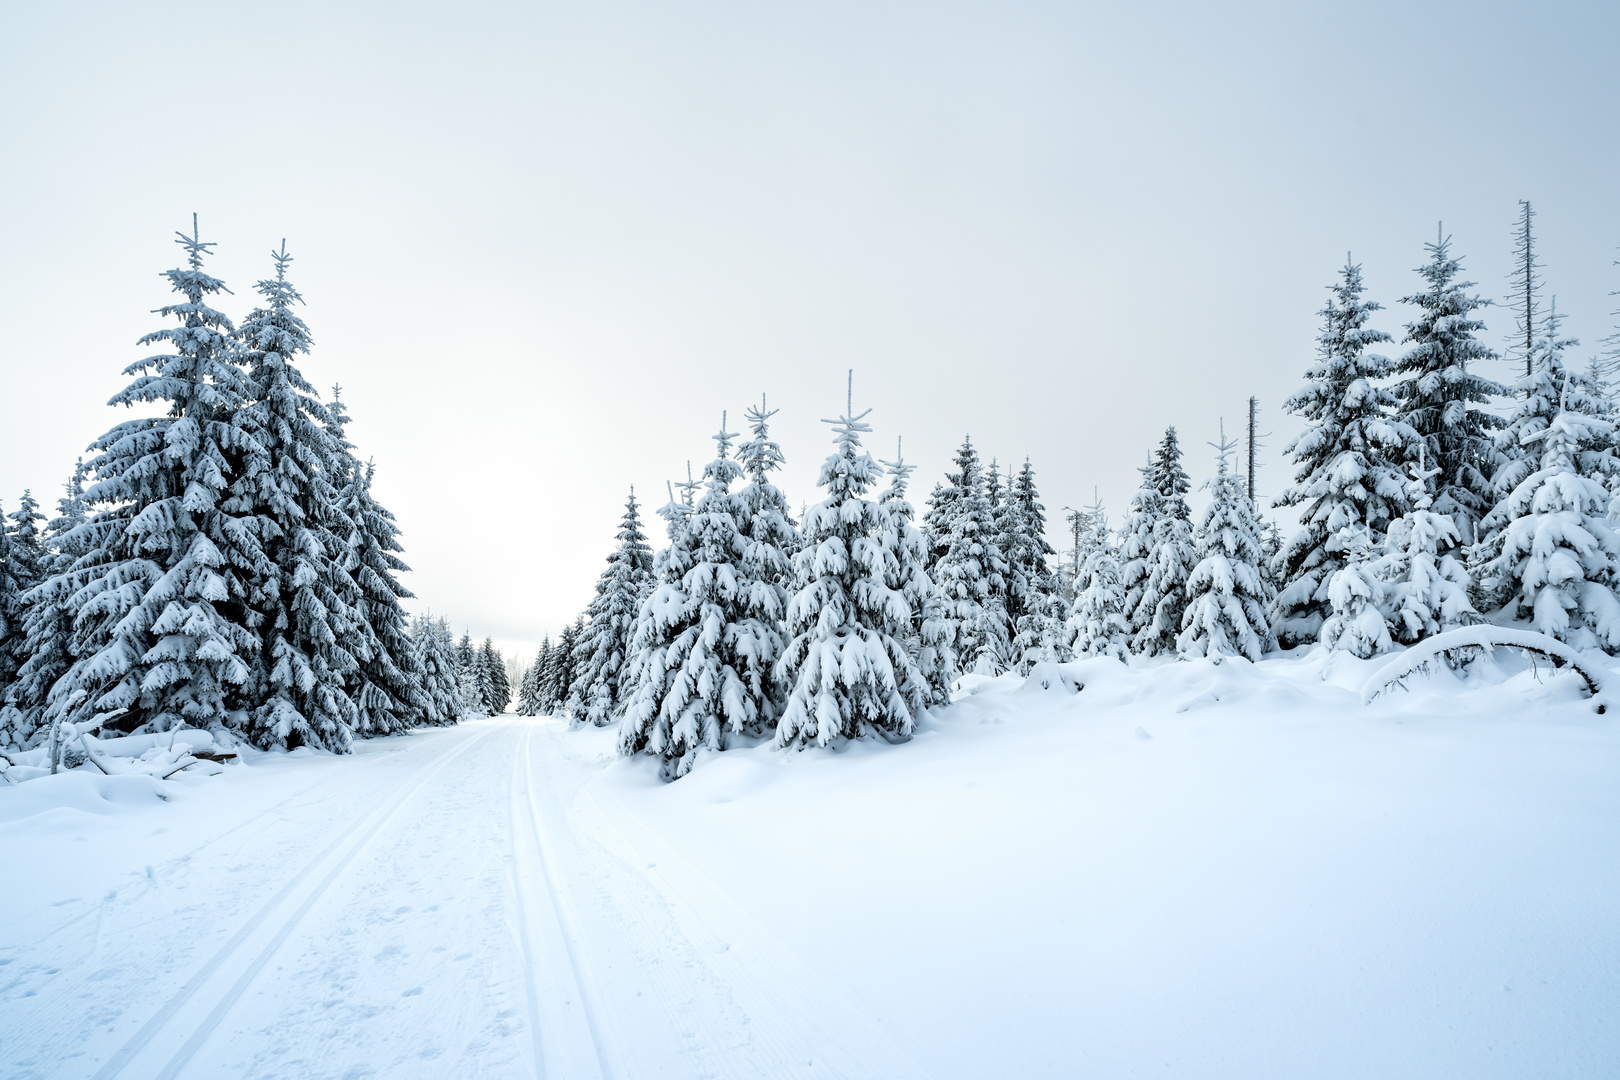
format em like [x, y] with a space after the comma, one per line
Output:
[1180, 871]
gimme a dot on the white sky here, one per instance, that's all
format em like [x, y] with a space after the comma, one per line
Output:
[544, 246]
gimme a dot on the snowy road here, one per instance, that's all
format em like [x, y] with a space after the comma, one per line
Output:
[447, 904]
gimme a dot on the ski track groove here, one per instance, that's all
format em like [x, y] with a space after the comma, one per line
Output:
[589, 993]
[366, 829]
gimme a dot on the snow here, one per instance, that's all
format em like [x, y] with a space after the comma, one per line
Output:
[1181, 869]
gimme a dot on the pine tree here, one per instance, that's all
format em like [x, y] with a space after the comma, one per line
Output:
[1356, 625]
[972, 573]
[1349, 459]
[847, 661]
[1174, 553]
[1226, 595]
[1440, 398]
[1036, 611]
[164, 630]
[1426, 589]
[305, 619]
[611, 620]
[1554, 553]
[1097, 625]
[928, 636]
[436, 657]
[550, 678]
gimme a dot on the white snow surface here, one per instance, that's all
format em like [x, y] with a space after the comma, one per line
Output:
[1183, 870]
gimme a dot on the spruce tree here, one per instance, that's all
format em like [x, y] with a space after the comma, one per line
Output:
[1554, 552]
[1525, 301]
[972, 573]
[467, 677]
[1425, 588]
[653, 721]
[850, 672]
[928, 636]
[22, 568]
[770, 541]
[436, 657]
[1356, 624]
[1036, 612]
[1438, 397]
[305, 619]
[1226, 596]
[1097, 625]
[47, 620]
[164, 630]
[1349, 459]
[492, 681]
[1550, 387]
[1174, 554]
[546, 700]
[611, 620]
[1136, 555]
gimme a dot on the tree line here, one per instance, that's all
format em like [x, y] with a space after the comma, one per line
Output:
[1430, 497]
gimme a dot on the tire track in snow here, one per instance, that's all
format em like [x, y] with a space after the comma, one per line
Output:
[365, 829]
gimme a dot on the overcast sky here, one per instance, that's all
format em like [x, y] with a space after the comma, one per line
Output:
[544, 246]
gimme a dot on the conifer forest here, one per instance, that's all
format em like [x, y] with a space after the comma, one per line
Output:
[617, 542]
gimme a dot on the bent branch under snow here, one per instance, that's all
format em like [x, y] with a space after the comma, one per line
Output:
[1479, 637]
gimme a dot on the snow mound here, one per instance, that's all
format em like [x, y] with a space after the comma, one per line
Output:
[1453, 643]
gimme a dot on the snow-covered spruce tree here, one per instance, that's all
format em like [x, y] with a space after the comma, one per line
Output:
[710, 682]
[22, 568]
[163, 624]
[1349, 459]
[436, 658]
[656, 670]
[1439, 398]
[550, 678]
[1097, 625]
[972, 573]
[1551, 385]
[306, 620]
[847, 662]
[1556, 549]
[468, 680]
[1173, 556]
[493, 684]
[928, 638]
[570, 656]
[610, 621]
[528, 702]
[47, 622]
[387, 687]
[1357, 624]
[1136, 554]
[942, 504]
[1425, 588]
[770, 541]
[1036, 610]
[1226, 595]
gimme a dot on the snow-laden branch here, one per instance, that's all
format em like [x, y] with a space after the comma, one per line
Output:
[1479, 637]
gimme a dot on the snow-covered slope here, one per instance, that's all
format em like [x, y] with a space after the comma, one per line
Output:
[1189, 870]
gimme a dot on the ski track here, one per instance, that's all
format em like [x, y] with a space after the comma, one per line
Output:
[165, 1018]
[459, 927]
